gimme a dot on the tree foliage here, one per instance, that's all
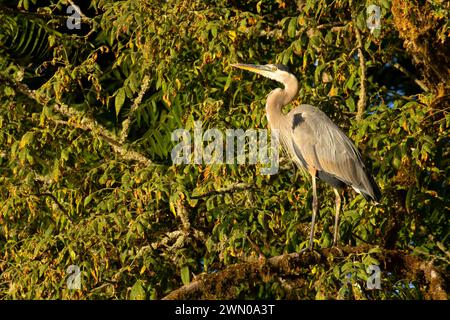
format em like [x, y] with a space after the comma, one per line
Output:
[86, 119]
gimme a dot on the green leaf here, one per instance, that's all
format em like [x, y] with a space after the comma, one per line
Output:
[318, 72]
[347, 267]
[261, 218]
[287, 56]
[65, 154]
[362, 274]
[350, 81]
[368, 260]
[350, 103]
[227, 84]
[119, 100]
[258, 6]
[375, 250]
[26, 139]
[88, 199]
[185, 275]
[336, 272]
[137, 292]
[9, 91]
[361, 21]
[292, 27]
[72, 254]
[329, 38]
[386, 3]
[214, 32]
[315, 40]
[103, 178]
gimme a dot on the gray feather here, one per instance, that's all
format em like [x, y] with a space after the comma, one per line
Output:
[319, 143]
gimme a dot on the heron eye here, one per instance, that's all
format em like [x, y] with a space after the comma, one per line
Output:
[274, 68]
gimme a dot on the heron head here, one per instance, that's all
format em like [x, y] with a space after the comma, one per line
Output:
[277, 72]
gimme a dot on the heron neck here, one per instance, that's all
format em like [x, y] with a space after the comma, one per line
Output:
[277, 99]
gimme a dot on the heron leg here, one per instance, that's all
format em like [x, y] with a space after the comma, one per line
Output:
[336, 218]
[314, 209]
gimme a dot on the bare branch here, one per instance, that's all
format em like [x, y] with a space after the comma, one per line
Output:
[361, 106]
[89, 124]
[126, 124]
[410, 75]
[55, 200]
[182, 213]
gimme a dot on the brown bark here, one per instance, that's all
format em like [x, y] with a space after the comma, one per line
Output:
[362, 101]
[224, 284]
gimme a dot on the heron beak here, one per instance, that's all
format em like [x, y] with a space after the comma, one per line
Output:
[253, 68]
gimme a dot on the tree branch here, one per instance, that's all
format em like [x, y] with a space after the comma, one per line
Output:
[15, 11]
[362, 101]
[55, 200]
[89, 124]
[126, 124]
[86, 123]
[422, 85]
[222, 284]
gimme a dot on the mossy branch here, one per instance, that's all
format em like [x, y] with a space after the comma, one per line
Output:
[127, 123]
[362, 101]
[224, 284]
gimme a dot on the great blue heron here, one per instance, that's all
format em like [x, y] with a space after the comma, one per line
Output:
[314, 142]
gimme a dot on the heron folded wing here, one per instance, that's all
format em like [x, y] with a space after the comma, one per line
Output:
[319, 143]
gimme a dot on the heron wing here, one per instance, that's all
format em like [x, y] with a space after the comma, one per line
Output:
[320, 144]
